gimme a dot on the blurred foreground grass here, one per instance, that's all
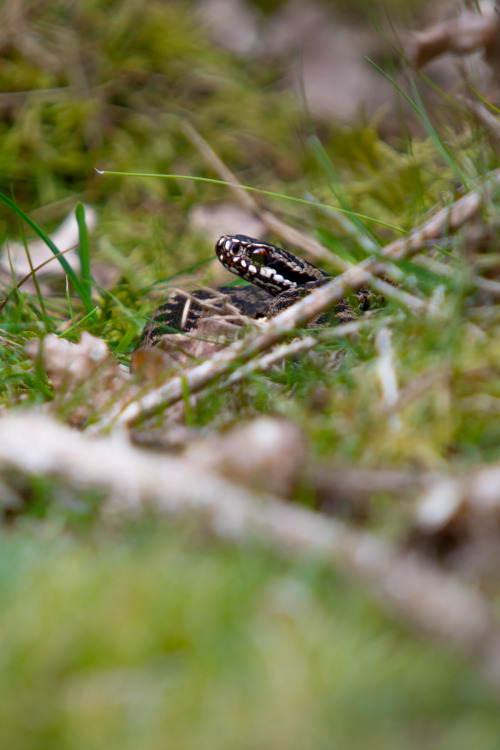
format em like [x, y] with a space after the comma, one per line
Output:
[154, 637]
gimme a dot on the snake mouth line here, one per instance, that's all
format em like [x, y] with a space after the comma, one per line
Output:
[250, 271]
[267, 278]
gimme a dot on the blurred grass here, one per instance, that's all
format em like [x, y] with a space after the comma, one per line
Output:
[153, 636]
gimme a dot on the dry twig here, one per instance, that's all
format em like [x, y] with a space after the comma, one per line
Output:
[296, 347]
[387, 375]
[467, 33]
[312, 248]
[279, 328]
[419, 593]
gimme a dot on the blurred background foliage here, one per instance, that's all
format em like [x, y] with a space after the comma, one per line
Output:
[109, 85]
[287, 94]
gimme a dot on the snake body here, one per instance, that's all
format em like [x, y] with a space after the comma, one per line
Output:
[278, 279]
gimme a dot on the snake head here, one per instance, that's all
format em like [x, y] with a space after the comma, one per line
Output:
[265, 265]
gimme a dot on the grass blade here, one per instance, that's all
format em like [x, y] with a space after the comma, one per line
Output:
[250, 189]
[84, 252]
[418, 107]
[77, 284]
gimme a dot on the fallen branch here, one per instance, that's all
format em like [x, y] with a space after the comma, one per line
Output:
[417, 592]
[315, 251]
[300, 346]
[279, 328]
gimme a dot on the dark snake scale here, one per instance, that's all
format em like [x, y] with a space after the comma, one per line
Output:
[278, 277]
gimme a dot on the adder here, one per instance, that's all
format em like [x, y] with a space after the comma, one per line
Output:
[278, 279]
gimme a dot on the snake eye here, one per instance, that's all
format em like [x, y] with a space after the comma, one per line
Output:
[260, 256]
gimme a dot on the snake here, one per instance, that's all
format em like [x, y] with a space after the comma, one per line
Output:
[278, 278]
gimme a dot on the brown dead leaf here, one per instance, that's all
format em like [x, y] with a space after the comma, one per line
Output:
[85, 376]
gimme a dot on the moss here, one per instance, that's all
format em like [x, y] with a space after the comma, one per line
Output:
[261, 652]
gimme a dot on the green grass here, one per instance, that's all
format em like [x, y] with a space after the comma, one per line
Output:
[80, 285]
[154, 635]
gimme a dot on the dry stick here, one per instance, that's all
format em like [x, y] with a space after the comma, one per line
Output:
[428, 599]
[217, 296]
[442, 269]
[313, 248]
[308, 244]
[224, 300]
[300, 346]
[488, 285]
[387, 375]
[353, 487]
[295, 348]
[201, 302]
[436, 267]
[274, 357]
[484, 116]
[224, 361]
[450, 218]
[476, 494]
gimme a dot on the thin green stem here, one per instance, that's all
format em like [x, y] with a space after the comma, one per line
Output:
[250, 189]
